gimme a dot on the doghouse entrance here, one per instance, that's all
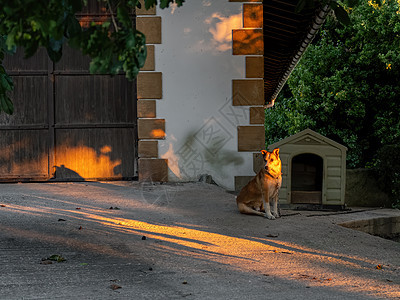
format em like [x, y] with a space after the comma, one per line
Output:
[307, 179]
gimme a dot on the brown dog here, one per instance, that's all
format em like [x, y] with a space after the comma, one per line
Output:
[255, 197]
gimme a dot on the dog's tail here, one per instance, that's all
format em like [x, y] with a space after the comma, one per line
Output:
[244, 209]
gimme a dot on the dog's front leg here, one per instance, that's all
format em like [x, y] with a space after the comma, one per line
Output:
[267, 207]
[275, 204]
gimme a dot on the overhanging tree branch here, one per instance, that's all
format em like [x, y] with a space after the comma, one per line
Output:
[51, 24]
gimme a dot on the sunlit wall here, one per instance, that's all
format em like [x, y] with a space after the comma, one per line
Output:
[198, 67]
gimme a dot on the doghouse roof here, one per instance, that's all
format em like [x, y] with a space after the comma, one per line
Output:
[312, 136]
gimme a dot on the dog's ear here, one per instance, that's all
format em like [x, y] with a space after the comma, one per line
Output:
[264, 152]
[276, 151]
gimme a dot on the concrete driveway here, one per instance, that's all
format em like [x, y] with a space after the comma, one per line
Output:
[126, 240]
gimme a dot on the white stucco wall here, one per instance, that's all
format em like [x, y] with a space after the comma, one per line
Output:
[197, 64]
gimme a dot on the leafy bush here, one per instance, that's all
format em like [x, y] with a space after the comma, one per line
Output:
[387, 167]
[347, 84]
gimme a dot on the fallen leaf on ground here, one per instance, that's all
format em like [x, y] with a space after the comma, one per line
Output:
[115, 287]
[56, 257]
[2, 205]
[272, 235]
[284, 252]
[304, 276]
[379, 267]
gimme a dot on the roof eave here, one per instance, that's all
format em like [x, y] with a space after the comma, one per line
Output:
[318, 20]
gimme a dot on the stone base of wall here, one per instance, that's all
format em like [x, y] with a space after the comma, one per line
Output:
[386, 227]
[362, 190]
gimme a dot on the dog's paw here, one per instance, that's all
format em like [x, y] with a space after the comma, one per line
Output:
[276, 215]
[269, 216]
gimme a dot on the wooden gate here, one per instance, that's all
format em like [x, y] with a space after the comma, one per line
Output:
[68, 124]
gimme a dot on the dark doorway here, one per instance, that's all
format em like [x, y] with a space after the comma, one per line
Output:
[307, 177]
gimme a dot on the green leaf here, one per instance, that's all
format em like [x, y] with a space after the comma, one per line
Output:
[300, 6]
[52, 26]
[333, 5]
[54, 49]
[56, 45]
[10, 82]
[6, 83]
[76, 5]
[10, 41]
[351, 3]
[3, 45]
[342, 15]
[130, 40]
[123, 16]
[164, 3]
[6, 104]
[55, 56]
[106, 24]
[73, 26]
[141, 52]
[141, 56]
[31, 49]
[8, 10]
[149, 3]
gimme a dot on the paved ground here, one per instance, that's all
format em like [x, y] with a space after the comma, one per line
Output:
[181, 241]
